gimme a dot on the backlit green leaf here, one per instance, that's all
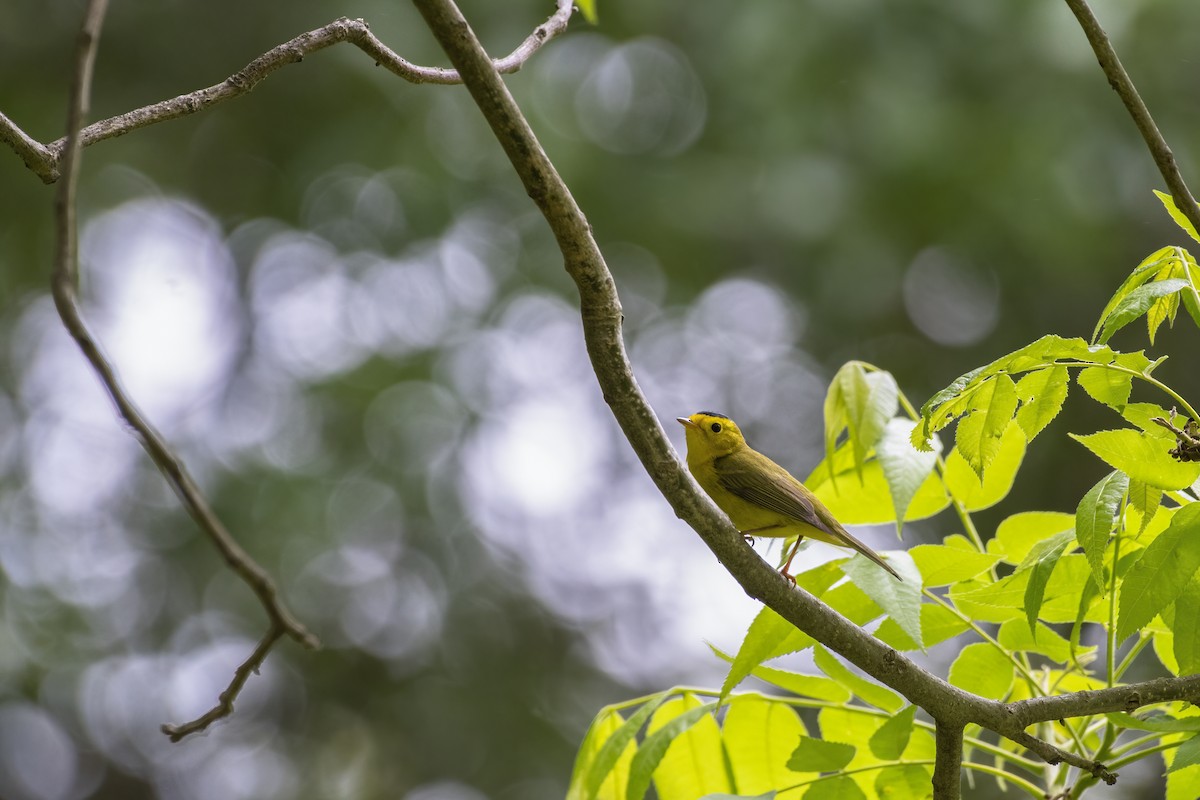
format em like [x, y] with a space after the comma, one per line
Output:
[1107, 386]
[1159, 576]
[1040, 563]
[938, 624]
[1041, 393]
[904, 467]
[588, 9]
[1095, 517]
[1186, 755]
[1144, 500]
[818, 755]
[983, 669]
[1142, 457]
[800, 683]
[690, 758]
[618, 745]
[1186, 628]
[1015, 635]
[904, 782]
[900, 600]
[889, 741]
[1169, 203]
[1017, 534]
[759, 736]
[615, 777]
[1136, 303]
[965, 486]
[979, 433]
[837, 787]
[866, 690]
[941, 565]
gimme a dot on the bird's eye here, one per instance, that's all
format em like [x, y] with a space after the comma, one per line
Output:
[716, 427]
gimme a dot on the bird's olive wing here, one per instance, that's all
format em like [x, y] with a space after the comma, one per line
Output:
[771, 491]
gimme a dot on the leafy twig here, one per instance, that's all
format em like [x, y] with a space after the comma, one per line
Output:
[45, 160]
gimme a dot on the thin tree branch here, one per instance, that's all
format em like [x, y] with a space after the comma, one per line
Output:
[600, 309]
[44, 160]
[1119, 80]
[224, 706]
[63, 286]
[947, 765]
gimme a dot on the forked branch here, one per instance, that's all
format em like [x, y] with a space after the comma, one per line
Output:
[46, 159]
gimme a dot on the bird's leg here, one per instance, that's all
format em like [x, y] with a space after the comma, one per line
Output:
[787, 565]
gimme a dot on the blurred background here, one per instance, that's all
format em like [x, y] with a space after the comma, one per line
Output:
[334, 298]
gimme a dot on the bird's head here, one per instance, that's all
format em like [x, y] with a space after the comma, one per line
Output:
[711, 434]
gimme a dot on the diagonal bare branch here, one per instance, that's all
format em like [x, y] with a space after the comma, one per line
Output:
[600, 308]
[45, 160]
[1119, 80]
[64, 281]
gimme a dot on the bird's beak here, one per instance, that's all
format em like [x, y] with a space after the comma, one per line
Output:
[687, 423]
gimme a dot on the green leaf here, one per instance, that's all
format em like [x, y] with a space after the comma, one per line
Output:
[818, 755]
[900, 600]
[889, 741]
[800, 683]
[905, 468]
[1041, 393]
[1040, 563]
[1140, 456]
[616, 776]
[1162, 572]
[904, 782]
[1015, 635]
[1191, 271]
[1144, 500]
[838, 787]
[938, 624]
[1107, 386]
[1155, 723]
[724, 796]
[1136, 303]
[872, 693]
[941, 565]
[867, 500]
[1151, 265]
[693, 767]
[617, 745]
[1186, 628]
[984, 670]
[1017, 535]
[979, 433]
[1169, 203]
[852, 603]
[758, 735]
[1186, 755]
[864, 402]
[1095, 517]
[771, 636]
[964, 485]
[1182, 785]
[588, 9]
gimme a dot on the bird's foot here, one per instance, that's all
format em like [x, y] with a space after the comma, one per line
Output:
[787, 575]
[748, 538]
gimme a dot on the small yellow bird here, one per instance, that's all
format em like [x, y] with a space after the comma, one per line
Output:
[760, 497]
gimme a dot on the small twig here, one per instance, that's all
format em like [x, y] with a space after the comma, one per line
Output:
[1055, 755]
[1187, 447]
[63, 287]
[1119, 80]
[224, 706]
[45, 160]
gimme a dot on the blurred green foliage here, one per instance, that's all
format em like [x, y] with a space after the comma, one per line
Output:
[335, 299]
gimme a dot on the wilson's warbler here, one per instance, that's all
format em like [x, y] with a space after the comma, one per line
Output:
[760, 497]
